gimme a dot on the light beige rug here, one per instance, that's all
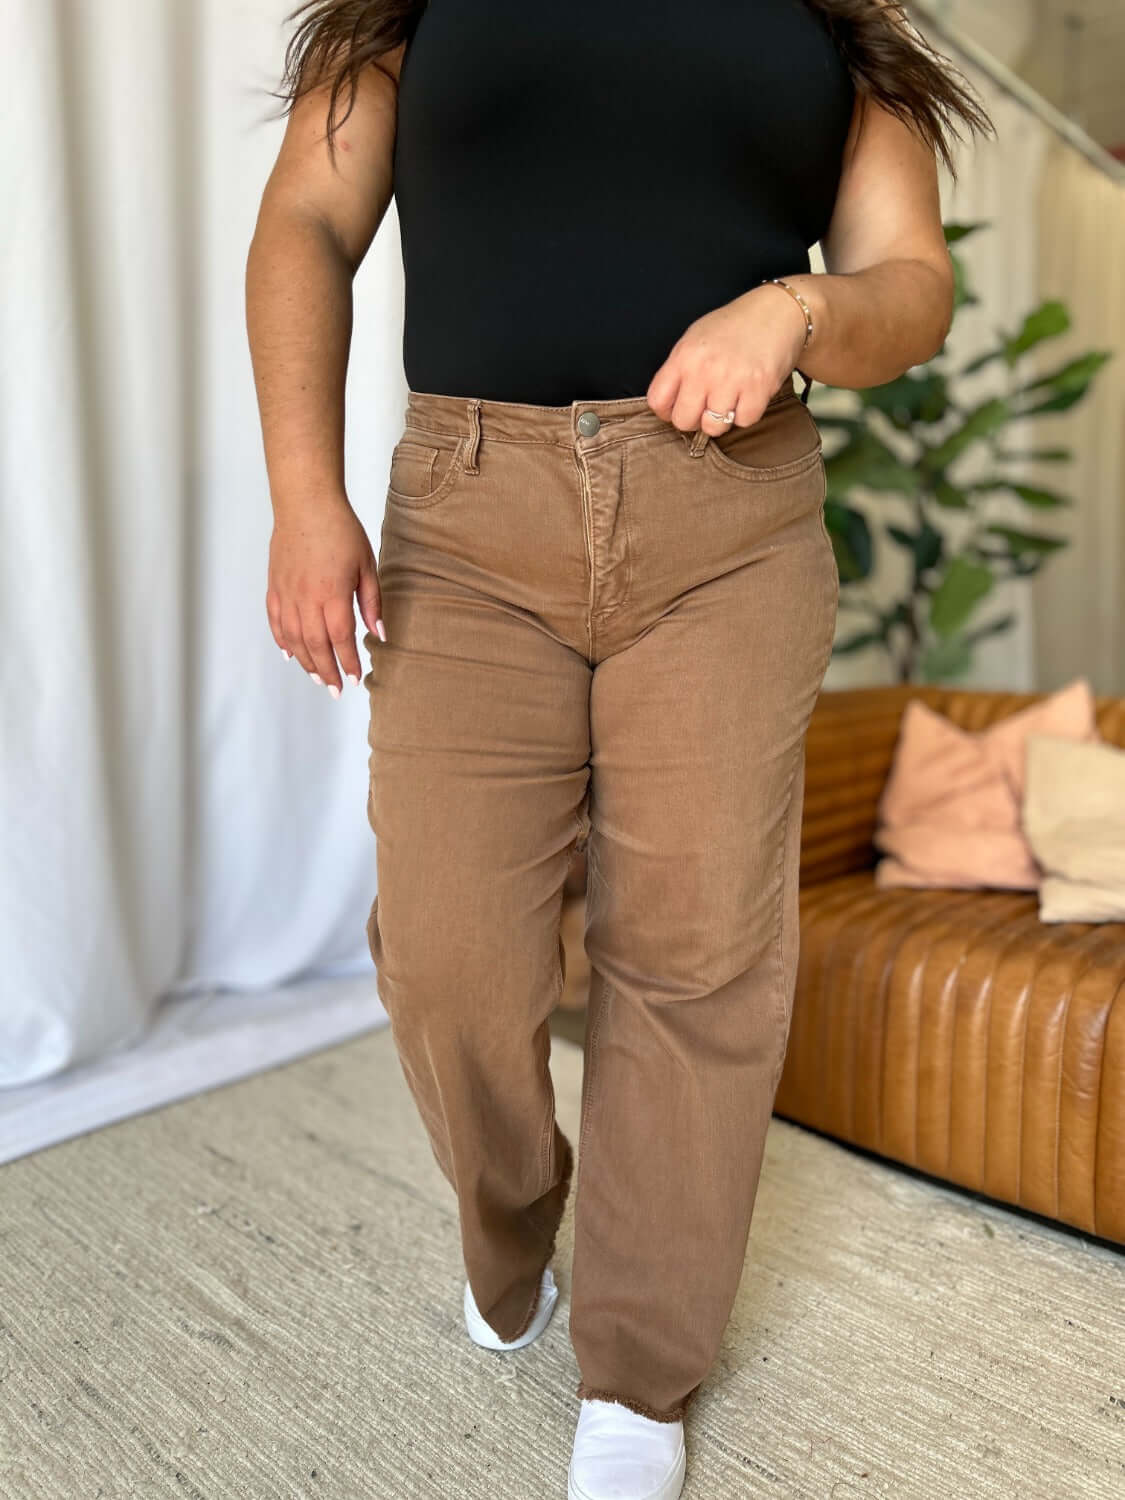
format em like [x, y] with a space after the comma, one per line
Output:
[255, 1293]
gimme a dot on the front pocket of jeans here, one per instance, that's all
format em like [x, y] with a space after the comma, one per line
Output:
[787, 428]
[424, 468]
[756, 475]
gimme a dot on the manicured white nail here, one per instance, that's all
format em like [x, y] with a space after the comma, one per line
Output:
[352, 677]
[380, 630]
[288, 655]
[318, 680]
[334, 690]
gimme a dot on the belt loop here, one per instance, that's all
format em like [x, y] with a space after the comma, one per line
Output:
[471, 464]
[698, 442]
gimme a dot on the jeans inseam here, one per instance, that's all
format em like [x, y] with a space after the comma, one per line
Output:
[593, 1029]
[565, 1178]
[548, 1136]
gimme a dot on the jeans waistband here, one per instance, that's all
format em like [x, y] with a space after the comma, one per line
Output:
[518, 421]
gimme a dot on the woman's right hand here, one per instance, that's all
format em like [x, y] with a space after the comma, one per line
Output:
[320, 558]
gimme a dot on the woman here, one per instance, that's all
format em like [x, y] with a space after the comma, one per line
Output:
[605, 595]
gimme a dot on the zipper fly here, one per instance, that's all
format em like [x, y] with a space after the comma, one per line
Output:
[588, 526]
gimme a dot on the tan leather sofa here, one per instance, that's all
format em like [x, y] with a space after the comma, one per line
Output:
[951, 1030]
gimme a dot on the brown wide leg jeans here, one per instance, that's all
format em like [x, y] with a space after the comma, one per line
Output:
[601, 630]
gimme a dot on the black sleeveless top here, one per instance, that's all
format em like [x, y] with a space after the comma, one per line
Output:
[576, 184]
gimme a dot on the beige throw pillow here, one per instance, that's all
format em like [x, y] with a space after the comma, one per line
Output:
[949, 814]
[1074, 819]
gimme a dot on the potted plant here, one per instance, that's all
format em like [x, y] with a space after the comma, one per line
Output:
[908, 439]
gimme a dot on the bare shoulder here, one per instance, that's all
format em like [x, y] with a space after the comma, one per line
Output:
[349, 187]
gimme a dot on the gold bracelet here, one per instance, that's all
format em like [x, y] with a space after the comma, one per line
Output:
[793, 292]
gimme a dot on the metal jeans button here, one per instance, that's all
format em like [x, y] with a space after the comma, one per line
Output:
[588, 423]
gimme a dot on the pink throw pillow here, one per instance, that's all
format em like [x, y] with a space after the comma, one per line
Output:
[950, 812]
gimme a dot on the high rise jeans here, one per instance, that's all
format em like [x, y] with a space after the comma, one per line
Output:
[604, 631]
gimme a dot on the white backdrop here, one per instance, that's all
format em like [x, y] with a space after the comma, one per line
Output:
[182, 810]
[181, 807]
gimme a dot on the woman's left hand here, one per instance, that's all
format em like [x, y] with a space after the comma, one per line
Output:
[731, 359]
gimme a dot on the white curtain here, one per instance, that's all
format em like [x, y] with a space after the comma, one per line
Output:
[1080, 598]
[181, 807]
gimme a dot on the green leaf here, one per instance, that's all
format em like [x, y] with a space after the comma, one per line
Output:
[866, 460]
[1066, 385]
[909, 399]
[1075, 373]
[1062, 402]
[898, 614]
[955, 231]
[964, 585]
[949, 496]
[951, 658]
[1029, 494]
[851, 540]
[858, 642]
[963, 294]
[924, 545]
[1047, 321]
[1035, 455]
[1025, 541]
[990, 356]
[1042, 499]
[981, 421]
[991, 627]
[929, 548]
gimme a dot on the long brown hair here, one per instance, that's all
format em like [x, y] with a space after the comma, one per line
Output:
[889, 60]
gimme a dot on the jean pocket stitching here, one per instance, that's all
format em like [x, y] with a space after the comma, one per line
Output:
[446, 483]
[751, 474]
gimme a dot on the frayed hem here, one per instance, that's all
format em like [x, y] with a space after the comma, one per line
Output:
[594, 1393]
[564, 1184]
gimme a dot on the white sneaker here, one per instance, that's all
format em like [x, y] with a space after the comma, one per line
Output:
[483, 1334]
[621, 1455]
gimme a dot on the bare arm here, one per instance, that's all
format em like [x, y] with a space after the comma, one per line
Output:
[885, 304]
[315, 223]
